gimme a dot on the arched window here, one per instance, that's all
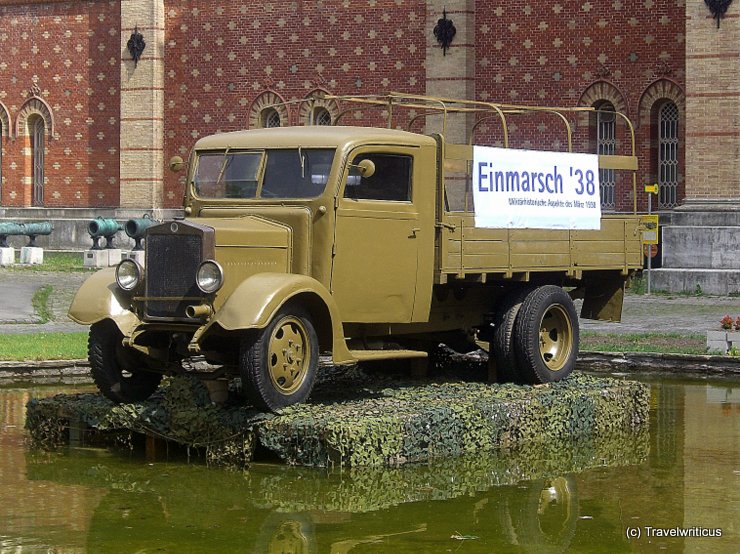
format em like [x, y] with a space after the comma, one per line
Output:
[270, 118]
[668, 155]
[321, 116]
[38, 153]
[606, 143]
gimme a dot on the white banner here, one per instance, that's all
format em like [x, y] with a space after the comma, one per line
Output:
[531, 189]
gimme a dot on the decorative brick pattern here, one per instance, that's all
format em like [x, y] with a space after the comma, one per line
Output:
[208, 66]
[563, 52]
[68, 55]
[222, 57]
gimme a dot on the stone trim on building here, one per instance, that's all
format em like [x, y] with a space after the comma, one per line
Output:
[34, 106]
[266, 100]
[142, 107]
[313, 101]
[5, 128]
[662, 89]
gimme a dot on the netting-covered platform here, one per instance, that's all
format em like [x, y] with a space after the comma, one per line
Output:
[358, 420]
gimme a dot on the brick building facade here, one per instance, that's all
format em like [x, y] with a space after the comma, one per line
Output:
[85, 127]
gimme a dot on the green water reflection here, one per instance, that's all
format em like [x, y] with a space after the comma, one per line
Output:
[683, 472]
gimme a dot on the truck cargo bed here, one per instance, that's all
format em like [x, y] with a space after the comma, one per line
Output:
[465, 251]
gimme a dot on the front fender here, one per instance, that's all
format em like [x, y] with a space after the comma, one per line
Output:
[100, 298]
[256, 300]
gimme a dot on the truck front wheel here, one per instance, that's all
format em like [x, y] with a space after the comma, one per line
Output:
[546, 335]
[116, 370]
[278, 365]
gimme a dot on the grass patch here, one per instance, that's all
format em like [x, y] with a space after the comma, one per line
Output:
[638, 287]
[64, 262]
[43, 346]
[664, 343]
[40, 302]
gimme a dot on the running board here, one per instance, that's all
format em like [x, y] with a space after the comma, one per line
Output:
[370, 355]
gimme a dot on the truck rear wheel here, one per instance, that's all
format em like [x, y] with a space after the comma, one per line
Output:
[546, 335]
[278, 366]
[116, 370]
[502, 343]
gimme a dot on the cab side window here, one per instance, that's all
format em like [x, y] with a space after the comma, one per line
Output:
[391, 180]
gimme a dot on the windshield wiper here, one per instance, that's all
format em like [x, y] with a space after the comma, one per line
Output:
[227, 161]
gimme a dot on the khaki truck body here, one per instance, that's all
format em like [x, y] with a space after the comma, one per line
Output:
[348, 242]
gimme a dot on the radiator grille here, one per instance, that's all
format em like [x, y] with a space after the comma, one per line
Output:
[171, 264]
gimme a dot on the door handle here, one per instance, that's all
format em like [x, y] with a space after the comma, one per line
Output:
[414, 230]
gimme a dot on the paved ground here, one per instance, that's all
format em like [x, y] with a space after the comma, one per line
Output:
[17, 288]
[655, 313]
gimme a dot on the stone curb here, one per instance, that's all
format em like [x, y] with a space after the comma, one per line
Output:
[45, 372]
[652, 362]
[78, 371]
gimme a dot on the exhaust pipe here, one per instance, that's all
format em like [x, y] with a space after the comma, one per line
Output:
[198, 312]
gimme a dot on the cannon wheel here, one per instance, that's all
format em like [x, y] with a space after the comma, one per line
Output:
[279, 363]
[546, 335]
[117, 370]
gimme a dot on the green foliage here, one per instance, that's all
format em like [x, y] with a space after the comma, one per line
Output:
[40, 303]
[637, 285]
[43, 346]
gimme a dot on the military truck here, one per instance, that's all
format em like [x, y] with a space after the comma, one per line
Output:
[352, 244]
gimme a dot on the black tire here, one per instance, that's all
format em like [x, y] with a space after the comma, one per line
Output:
[546, 335]
[502, 343]
[118, 371]
[278, 365]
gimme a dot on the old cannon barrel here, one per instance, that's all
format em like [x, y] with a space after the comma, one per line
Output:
[136, 227]
[102, 227]
[31, 229]
[10, 228]
[35, 228]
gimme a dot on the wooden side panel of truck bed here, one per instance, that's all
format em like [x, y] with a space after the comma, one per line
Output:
[464, 249]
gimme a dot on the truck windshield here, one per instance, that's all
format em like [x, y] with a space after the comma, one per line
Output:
[290, 173]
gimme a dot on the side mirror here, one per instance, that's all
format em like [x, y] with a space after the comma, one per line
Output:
[366, 168]
[176, 164]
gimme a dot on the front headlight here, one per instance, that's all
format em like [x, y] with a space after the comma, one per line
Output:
[128, 275]
[210, 277]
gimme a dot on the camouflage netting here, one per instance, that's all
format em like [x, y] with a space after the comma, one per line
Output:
[367, 489]
[352, 490]
[181, 412]
[392, 426]
[366, 422]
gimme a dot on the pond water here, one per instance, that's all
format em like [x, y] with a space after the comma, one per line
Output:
[682, 475]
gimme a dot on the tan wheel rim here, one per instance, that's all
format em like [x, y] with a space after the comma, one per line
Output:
[289, 355]
[556, 338]
[554, 507]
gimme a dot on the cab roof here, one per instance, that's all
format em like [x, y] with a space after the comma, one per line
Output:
[315, 136]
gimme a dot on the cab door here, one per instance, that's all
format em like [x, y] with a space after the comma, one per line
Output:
[377, 239]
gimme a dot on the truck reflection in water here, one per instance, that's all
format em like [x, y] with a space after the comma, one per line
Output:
[544, 499]
[526, 499]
